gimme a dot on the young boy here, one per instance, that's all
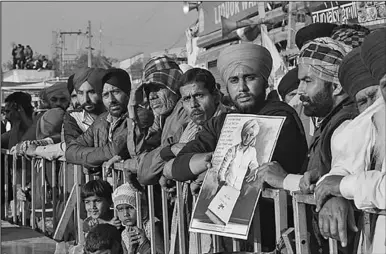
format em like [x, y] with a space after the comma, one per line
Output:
[103, 239]
[96, 195]
[135, 239]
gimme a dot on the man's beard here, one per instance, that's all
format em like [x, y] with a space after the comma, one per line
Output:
[320, 105]
[92, 108]
[252, 106]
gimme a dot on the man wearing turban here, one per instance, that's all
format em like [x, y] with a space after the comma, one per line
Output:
[358, 164]
[245, 69]
[106, 137]
[57, 95]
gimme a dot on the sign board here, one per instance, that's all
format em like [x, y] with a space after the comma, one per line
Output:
[371, 12]
[212, 12]
[345, 13]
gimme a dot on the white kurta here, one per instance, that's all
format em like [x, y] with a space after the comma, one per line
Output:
[236, 163]
[351, 150]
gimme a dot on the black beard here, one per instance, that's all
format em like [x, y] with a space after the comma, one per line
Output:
[320, 105]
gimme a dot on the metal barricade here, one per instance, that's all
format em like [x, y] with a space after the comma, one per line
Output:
[299, 201]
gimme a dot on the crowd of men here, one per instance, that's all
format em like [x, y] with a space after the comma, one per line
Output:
[332, 142]
[22, 58]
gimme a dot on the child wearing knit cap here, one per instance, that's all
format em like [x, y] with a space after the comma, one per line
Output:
[135, 238]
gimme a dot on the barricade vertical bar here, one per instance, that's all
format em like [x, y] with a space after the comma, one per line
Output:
[6, 186]
[165, 221]
[181, 218]
[139, 211]
[114, 186]
[33, 193]
[44, 193]
[332, 246]
[114, 179]
[256, 230]
[14, 188]
[300, 224]
[236, 245]
[77, 180]
[216, 243]
[54, 193]
[65, 170]
[280, 202]
[23, 183]
[197, 235]
[152, 216]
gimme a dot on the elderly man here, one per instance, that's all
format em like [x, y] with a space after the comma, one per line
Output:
[74, 103]
[106, 137]
[160, 83]
[358, 171]
[245, 69]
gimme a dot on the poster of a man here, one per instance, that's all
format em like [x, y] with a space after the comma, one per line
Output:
[230, 192]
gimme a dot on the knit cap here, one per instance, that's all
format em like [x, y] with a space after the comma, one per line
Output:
[125, 194]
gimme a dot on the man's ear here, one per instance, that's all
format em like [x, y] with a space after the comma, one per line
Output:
[337, 89]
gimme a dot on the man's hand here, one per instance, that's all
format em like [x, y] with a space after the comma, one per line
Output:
[108, 165]
[115, 222]
[31, 149]
[176, 148]
[271, 173]
[336, 214]
[200, 162]
[328, 187]
[307, 182]
[167, 185]
[137, 237]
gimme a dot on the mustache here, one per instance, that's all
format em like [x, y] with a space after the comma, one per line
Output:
[243, 95]
[87, 104]
[196, 112]
[304, 98]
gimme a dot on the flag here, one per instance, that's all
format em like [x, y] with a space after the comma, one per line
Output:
[279, 68]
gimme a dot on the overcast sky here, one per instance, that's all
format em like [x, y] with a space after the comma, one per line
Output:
[127, 27]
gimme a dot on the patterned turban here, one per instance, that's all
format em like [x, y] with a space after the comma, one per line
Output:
[373, 53]
[313, 31]
[353, 74]
[250, 55]
[352, 35]
[323, 56]
[58, 89]
[289, 82]
[164, 71]
[93, 76]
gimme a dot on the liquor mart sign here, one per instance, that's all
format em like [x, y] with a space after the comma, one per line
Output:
[334, 14]
[231, 10]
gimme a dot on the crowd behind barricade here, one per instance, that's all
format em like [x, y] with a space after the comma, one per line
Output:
[23, 58]
[332, 142]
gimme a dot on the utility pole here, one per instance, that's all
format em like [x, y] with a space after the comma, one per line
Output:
[89, 44]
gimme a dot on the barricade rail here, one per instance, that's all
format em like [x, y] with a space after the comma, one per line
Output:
[60, 192]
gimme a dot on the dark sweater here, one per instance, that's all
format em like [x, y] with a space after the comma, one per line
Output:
[290, 151]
